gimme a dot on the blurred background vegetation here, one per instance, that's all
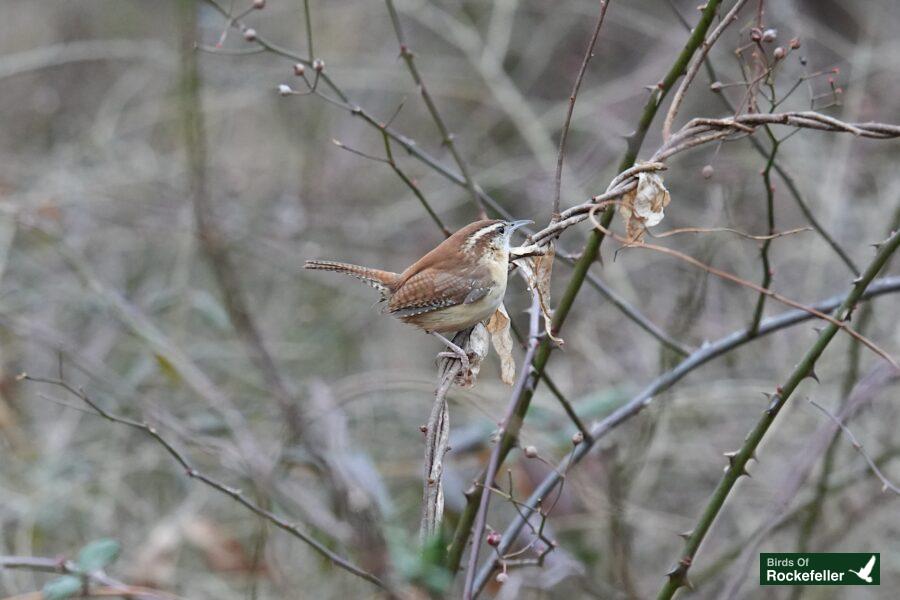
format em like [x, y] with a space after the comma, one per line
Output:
[104, 281]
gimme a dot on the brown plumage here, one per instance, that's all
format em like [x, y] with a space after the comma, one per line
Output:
[459, 283]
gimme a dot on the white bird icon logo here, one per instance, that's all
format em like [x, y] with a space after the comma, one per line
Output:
[865, 572]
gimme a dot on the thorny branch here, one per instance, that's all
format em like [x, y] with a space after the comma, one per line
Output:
[677, 577]
[639, 402]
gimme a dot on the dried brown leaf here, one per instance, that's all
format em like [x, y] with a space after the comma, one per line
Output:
[539, 279]
[498, 326]
[644, 206]
[476, 347]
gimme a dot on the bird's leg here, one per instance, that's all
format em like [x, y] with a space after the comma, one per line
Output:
[455, 351]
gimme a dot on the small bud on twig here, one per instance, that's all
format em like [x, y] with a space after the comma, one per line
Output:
[716, 86]
[794, 43]
[299, 69]
[259, 4]
[318, 65]
[250, 35]
[577, 438]
[501, 578]
[707, 171]
[769, 35]
[285, 90]
[531, 451]
[779, 53]
[493, 539]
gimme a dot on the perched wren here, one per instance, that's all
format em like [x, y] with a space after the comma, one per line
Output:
[453, 287]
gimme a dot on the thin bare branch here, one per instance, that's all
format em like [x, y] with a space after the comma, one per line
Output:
[564, 136]
[694, 68]
[234, 493]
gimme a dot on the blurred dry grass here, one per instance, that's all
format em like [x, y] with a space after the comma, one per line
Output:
[92, 152]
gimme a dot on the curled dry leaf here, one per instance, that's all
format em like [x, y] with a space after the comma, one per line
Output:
[498, 327]
[644, 206]
[476, 347]
[539, 279]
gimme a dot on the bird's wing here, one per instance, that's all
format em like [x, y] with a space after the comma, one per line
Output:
[869, 565]
[434, 289]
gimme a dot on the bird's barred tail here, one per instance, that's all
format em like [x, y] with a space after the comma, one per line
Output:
[380, 280]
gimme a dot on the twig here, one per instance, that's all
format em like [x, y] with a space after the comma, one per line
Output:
[564, 136]
[837, 322]
[886, 484]
[789, 181]
[557, 393]
[694, 68]
[309, 34]
[567, 406]
[637, 317]
[664, 382]
[770, 217]
[677, 577]
[446, 136]
[67, 567]
[509, 426]
[406, 179]
[193, 473]
[737, 232]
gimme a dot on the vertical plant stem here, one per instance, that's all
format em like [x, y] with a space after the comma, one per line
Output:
[580, 271]
[437, 441]
[677, 577]
[564, 135]
[764, 249]
[309, 33]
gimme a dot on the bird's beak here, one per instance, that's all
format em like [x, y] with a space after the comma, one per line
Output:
[519, 224]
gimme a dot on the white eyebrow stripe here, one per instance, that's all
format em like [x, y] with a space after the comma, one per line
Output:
[473, 239]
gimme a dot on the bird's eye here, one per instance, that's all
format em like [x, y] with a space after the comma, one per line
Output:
[502, 229]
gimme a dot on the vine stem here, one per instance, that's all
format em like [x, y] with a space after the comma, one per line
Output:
[738, 460]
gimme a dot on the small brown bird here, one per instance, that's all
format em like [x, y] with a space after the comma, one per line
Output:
[453, 287]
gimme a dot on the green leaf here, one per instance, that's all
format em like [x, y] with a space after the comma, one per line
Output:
[167, 368]
[61, 588]
[97, 555]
